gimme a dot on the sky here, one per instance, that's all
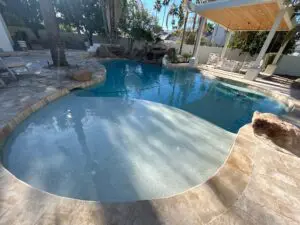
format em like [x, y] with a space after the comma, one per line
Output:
[149, 5]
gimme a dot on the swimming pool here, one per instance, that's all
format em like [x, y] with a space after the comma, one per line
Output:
[146, 133]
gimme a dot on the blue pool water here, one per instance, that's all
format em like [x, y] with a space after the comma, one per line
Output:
[212, 100]
[146, 133]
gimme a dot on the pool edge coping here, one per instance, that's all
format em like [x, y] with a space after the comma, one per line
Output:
[7, 129]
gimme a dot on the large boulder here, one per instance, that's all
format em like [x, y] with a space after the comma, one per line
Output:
[296, 84]
[172, 55]
[82, 75]
[116, 50]
[103, 52]
[281, 133]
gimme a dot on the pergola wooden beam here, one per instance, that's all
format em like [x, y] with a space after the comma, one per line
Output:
[244, 15]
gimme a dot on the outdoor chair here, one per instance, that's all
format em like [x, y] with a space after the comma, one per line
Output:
[246, 66]
[230, 65]
[10, 70]
[23, 45]
[213, 59]
[5, 72]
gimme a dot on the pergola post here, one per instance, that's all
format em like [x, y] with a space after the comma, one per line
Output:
[254, 72]
[228, 38]
[272, 67]
[199, 37]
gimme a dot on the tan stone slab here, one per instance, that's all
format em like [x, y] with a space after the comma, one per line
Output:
[275, 182]
[234, 217]
[277, 165]
[276, 196]
[21, 203]
[260, 214]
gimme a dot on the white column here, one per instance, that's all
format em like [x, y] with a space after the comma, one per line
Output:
[254, 72]
[199, 37]
[272, 67]
[224, 50]
[279, 53]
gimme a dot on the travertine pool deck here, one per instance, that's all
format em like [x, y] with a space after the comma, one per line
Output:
[258, 184]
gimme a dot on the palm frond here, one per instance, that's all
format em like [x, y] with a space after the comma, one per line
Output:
[174, 11]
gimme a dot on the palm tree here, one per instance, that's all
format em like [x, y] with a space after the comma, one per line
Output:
[56, 45]
[165, 4]
[181, 19]
[181, 14]
[115, 8]
[157, 7]
[184, 31]
[195, 17]
[174, 11]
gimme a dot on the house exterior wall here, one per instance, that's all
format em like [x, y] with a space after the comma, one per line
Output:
[289, 65]
[5, 39]
[218, 36]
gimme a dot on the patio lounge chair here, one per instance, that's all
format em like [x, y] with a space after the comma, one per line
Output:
[213, 59]
[5, 72]
[10, 70]
[229, 65]
[246, 66]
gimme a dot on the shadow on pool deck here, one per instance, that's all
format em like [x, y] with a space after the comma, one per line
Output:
[237, 194]
[145, 153]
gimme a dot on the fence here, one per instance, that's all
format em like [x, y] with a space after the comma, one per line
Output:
[71, 40]
[204, 51]
[289, 65]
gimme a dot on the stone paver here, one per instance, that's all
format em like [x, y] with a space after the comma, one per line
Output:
[242, 192]
[31, 88]
[20, 203]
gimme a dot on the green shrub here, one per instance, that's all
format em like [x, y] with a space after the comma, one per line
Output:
[190, 38]
[268, 60]
[186, 56]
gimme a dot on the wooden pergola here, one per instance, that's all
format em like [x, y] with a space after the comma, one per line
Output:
[248, 15]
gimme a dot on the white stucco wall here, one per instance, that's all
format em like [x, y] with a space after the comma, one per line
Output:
[289, 65]
[5, 40]
[232, 54]
[218, 36]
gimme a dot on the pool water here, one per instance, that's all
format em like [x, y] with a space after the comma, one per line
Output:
[227, 106]
[146, 133]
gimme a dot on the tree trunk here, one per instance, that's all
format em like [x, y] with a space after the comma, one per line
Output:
[194, 22]
[78, 29]
[56, 45]
[184, 30]
[108, 17]
[90, 37]
[105, 21]
[165, 11]
[113, 14]
[131, 45]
